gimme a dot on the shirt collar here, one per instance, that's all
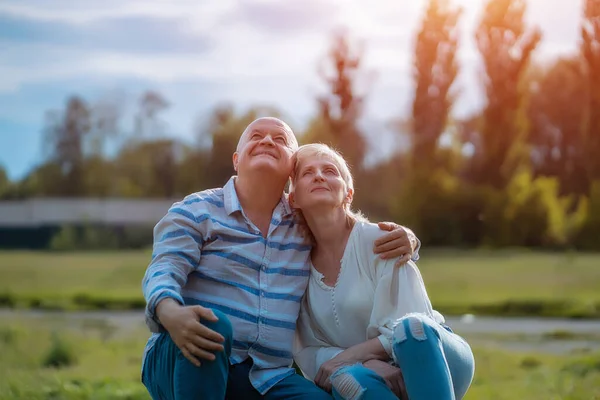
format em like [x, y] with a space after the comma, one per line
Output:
[232, 202]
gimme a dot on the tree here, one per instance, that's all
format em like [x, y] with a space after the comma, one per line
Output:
[340, 108]
[590, 50]
[557, 124]
[506, 46]
[147, 122]
[64, 134]
[4, 182]
[435, 69]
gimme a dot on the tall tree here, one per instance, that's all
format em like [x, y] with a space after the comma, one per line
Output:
[557, 124]
[506, 46]
[64, 138]
[148, 124]
[435, 69]
[590, 49]
[341, 107]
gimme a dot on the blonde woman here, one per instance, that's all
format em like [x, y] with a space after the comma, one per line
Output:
[366, 330]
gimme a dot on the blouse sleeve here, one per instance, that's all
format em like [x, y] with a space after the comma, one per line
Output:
[311, 349]
[398, 291]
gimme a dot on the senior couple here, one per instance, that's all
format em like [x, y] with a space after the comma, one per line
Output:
[246, 279]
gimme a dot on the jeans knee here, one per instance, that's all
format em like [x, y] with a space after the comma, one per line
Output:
[347, 381]
[416, 326]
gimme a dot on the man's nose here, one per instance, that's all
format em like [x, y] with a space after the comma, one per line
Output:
[267, 140]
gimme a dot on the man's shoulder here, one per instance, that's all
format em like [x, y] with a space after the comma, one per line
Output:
[204, 199]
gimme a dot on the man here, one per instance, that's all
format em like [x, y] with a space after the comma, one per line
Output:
[234, 257]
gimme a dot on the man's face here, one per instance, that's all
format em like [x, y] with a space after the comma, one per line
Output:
[267, 145]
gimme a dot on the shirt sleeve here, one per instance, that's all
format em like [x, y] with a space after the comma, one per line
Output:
[415, 243]
[176, 253]
[398, 291]
[311, 349]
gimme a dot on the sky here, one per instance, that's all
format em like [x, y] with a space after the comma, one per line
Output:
[201, 53]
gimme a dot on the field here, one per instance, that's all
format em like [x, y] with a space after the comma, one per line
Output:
[98, 360]
[59, 356]
[481, 282]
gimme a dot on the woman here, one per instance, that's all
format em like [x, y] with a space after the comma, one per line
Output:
[361, 317]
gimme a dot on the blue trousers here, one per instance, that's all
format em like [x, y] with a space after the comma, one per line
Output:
[435, 362]
[168, 375]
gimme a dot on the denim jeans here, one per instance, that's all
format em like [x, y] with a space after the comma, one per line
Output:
[435, 362]
[168, 375]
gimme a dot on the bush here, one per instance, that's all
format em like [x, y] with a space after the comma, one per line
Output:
[529, 212]
[59, 355]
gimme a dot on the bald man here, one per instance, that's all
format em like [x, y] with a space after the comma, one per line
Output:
[228, 272]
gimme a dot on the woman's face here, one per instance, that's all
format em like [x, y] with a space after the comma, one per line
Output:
[319, 183]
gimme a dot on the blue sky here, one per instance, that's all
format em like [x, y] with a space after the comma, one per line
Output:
[201, 53]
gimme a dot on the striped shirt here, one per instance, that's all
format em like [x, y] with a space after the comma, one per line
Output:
[207, 252]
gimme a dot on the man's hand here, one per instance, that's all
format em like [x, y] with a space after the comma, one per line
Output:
[183, 324]
[394, 244]
[391, 375]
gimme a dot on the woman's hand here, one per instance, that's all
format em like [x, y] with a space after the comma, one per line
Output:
[328, 368]
[391, 375]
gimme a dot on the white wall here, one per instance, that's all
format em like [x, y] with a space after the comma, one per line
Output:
[40, 212]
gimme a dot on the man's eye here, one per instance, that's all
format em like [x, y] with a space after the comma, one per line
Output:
[280, 140]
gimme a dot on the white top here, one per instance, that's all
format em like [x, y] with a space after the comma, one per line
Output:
[370, 295]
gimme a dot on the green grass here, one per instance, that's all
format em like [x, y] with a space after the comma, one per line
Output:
[105, 364]
[505, 282]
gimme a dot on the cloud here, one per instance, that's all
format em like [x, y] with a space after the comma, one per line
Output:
[132, 34]
[284, 17]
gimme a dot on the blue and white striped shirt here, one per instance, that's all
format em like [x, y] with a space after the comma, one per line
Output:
[207, 252]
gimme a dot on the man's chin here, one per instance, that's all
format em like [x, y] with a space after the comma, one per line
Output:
[271, 166]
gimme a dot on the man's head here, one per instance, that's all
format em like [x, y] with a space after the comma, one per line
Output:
[266, 146]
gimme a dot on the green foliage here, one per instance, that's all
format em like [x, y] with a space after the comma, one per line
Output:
[59, 355]
[86, 237]
[506, 46]
[529, 212]
[586, 221]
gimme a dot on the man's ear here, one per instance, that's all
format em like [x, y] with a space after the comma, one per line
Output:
[235, 161]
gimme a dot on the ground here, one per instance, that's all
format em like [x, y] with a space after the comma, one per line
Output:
[57, 356]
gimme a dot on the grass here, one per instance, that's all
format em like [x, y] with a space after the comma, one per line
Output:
[506, 282]
[105, 364]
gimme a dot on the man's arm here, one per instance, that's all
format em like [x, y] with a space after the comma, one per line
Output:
[176, 253]
[178, 240]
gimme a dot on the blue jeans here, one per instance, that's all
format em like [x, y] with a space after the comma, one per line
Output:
[168, 375]
[435, 362]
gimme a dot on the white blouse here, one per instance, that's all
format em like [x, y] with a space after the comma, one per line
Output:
[369, 296]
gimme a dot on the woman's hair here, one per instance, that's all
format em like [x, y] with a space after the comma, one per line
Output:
[322, 150]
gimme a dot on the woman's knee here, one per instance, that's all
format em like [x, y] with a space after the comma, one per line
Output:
[352, 381]
[416, 326]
